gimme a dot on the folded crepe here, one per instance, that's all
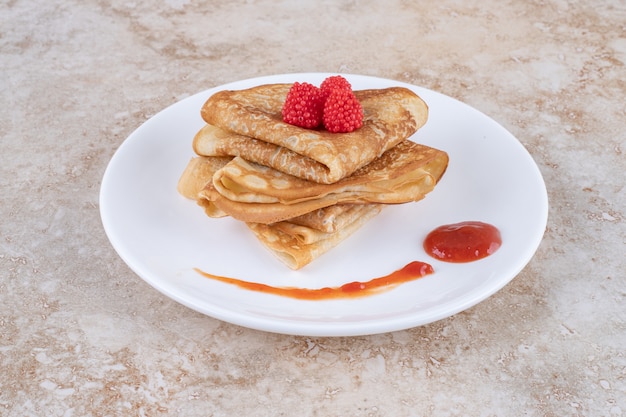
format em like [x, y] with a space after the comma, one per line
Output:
[328, 219]
[297, 245]
[200, 170]
[297, 241]
[248, 123]
[254, 193]
[197, 173]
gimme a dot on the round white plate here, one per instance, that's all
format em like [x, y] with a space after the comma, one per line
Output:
[163, 237]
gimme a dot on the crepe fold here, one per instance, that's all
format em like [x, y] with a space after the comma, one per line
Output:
[196, 175]
[330, 219]
[295, 242]
[297, 245]
[255, 193]
[199, 172]
[248, 123]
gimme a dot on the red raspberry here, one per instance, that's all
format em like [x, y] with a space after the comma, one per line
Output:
[335, 82]
[303, 106]
[342, 112]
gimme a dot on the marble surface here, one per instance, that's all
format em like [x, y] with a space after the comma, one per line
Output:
[81, 335]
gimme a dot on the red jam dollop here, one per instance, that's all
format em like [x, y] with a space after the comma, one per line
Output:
[463, 242]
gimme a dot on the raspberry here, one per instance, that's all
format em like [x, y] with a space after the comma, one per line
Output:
[303, 106]
[335, 82]
[342, 112]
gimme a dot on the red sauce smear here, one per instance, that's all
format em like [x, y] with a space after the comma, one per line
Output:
[410, 272]
[463, 242]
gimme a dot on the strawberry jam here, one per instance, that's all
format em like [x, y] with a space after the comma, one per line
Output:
[412, 271]
[463, 242]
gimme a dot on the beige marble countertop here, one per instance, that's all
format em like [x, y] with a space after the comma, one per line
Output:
[82, 335]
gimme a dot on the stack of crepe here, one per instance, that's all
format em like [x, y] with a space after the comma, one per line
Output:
[302, 191]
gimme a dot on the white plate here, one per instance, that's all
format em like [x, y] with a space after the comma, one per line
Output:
[163, 237]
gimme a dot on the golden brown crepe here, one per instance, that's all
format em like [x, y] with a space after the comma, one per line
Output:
[330, 219]
[197, 173]
[235, 118]
[200, 170]
[296, 246]
[296, 241]
[254, 193]
[307, 235]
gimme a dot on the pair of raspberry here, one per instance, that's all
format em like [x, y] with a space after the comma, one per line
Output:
[333, 104]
